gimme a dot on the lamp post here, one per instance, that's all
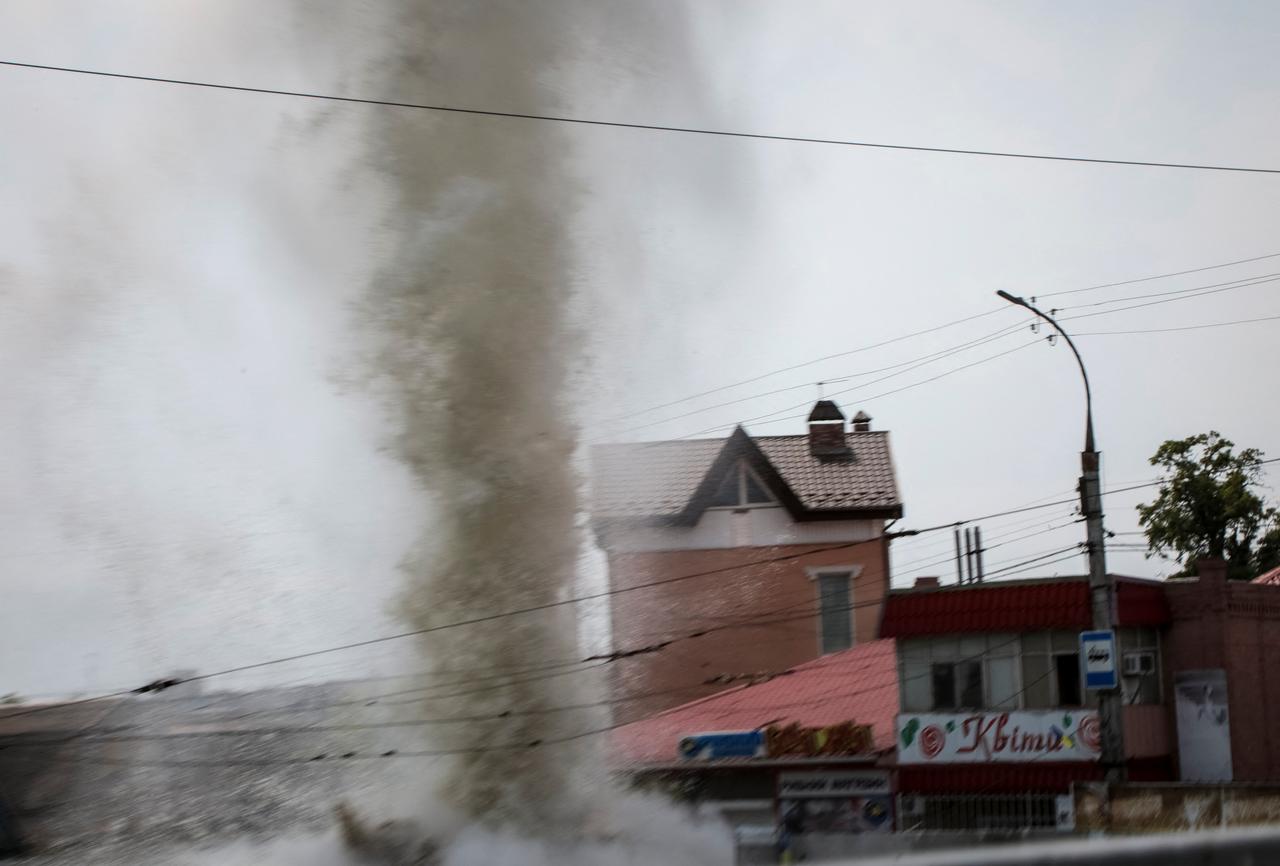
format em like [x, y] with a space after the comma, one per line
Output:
[1101, 587]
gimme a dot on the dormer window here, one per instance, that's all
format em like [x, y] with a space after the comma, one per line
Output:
[740, 488]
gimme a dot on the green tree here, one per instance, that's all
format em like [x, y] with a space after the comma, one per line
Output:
[1208, 506]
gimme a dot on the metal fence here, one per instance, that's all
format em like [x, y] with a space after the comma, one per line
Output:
[1010, 813]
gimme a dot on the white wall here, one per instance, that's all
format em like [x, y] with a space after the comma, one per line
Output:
[750, 527]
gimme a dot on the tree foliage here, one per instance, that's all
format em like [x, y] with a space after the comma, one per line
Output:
[1208, 506]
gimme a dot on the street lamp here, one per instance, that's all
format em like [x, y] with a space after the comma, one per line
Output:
[1101, 587]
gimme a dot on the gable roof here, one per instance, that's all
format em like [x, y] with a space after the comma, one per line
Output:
[671, 481]
[858, 685]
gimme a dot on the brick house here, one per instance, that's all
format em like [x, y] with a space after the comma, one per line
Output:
[776, 543]
[991, 672]
[1233, 627]
[995, 723]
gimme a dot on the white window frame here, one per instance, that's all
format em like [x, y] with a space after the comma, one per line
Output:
[853, 571]
[741, 468]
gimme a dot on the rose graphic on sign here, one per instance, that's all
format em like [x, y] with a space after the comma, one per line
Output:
[1090, 733]
[932, 741]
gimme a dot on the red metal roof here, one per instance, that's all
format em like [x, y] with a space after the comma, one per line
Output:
[1021, 606]
[1268, 577]
[1016, 606]
[1141, 602]
[859, 684]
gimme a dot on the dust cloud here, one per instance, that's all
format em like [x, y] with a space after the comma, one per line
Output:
[475, 349]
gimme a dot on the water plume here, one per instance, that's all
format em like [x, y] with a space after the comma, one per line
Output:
[475, 350]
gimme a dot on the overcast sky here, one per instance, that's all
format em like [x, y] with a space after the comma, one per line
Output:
[194, 476]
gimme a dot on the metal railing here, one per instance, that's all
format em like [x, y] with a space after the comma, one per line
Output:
[1007, 813]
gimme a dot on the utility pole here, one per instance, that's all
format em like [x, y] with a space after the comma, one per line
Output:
[1101, 587]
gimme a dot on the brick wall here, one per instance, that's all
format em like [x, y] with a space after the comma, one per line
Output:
[1235, 626]
[765, 591]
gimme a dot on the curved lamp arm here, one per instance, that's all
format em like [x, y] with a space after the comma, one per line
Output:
[1088, 395]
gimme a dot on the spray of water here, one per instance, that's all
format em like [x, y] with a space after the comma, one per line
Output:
[471, 315]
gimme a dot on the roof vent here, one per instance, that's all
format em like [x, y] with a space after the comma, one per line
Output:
[927, 583]
[826, 432]
[861, 422]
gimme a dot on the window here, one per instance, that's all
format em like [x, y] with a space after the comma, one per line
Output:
[837, 611]
[978, 671]
[1067, 669]
[1051, 671]
[741, 487]
[957, 685]
[1140, 688]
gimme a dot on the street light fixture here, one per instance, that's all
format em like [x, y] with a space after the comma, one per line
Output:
[1101, 587]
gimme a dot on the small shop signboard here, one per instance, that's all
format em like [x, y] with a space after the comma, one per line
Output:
[833, 783]
[981, 737]
[846, 739]
[722, 744]
[835, 802]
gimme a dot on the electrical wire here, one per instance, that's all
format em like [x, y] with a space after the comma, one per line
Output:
[942, 375]
[615, 124]
[909, 365]
[1157, 276]
[1242, 283]
[161, 685]
[912, 334]
[1183, 328]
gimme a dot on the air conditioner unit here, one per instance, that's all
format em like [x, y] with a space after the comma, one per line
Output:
[911, 805]
[1139, 664]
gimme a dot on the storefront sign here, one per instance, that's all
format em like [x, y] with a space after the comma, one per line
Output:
[1005, 737]
[813, 804]
[797, 786]
[794, 741]
[1098, 659]
[722, 744]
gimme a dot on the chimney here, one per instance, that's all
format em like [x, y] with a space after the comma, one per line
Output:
[1212, 571]
[826, 431]
[927, 583]
[861, 422]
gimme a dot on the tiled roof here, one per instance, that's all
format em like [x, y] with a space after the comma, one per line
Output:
[1028, 605]
[1269, 577]
[859, 685]
[658, 479]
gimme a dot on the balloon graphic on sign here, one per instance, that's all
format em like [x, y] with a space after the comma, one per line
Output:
[1090, 733]
[932, 741]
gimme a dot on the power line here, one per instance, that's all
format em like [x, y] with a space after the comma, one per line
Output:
[1183, 328]
[900, 338]
[394, 753]
[909, 365]
[1209, 290]
[1157, 276]
[810, 363]
[616, 124]
[161, 685]
[942, 375]
[1166, 301]
[1229, 285]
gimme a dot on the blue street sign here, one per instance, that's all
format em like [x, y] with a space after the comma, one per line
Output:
[1098, 659]
[722, 744]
